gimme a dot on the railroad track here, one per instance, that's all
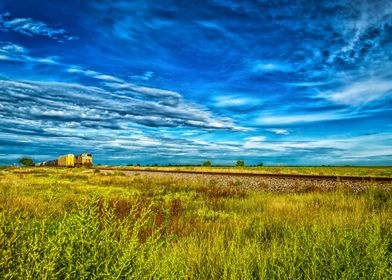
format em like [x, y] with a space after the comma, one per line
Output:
[265, 175]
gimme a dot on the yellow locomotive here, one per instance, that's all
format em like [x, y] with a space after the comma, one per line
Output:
[85, 159]
[70, 160]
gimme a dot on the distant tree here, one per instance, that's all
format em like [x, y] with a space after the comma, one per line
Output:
[26, 161]
[240, 163]
[207, 163]
[130, 164]
[260, 164]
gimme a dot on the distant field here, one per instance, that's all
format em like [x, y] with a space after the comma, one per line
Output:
[305, 170]
[82, 223]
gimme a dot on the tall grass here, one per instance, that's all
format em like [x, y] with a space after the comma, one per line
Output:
[84, 225]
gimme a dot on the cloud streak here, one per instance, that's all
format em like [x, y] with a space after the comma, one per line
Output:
[30, 27]
[279, 131]
[16, 53]
[361, 93]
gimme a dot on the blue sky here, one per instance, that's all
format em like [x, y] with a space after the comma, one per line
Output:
[186, 81]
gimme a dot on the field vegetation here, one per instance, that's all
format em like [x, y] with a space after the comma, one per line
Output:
[361, 171]
[81, 224]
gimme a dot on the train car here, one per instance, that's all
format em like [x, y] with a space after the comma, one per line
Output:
[51, 162]
[85, 159]
[70, 160]
[66, 160]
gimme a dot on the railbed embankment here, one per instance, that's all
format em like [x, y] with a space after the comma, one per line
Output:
[266, 182]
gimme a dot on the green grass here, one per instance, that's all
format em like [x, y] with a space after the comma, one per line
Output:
[78, 224]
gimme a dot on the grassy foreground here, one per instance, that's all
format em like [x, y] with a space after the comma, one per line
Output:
[83, 224]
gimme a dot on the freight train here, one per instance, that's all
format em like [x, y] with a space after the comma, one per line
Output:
[70, 160]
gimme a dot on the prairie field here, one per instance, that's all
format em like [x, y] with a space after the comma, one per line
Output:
[361, 171]
[58, 223]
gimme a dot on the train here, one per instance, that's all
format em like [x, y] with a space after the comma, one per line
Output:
[70, 160]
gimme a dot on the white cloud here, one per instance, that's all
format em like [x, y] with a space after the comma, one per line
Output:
[235, 101]
[13, 52]
[30, 27]
[360, 93]
[256, 138]
[119, 84]
[146, 76]
[191, 133]
[94, 74]
[142, 104]
[13, 48]
[254, 142]
[307, 84]
[305, 118]
[81, 71]
[369, 16]
[97, 107]
[150, 91]
[279, 131]
[107, 78]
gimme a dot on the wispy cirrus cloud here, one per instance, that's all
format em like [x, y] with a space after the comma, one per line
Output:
[235, 101]
[122, 86]
[30, 27]
[278, 131]
[360, 93]
[146, 76]
[13, 52]
[93, 74]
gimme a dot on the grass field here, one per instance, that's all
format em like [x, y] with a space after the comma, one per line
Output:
[81, 224]
[375, 171]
